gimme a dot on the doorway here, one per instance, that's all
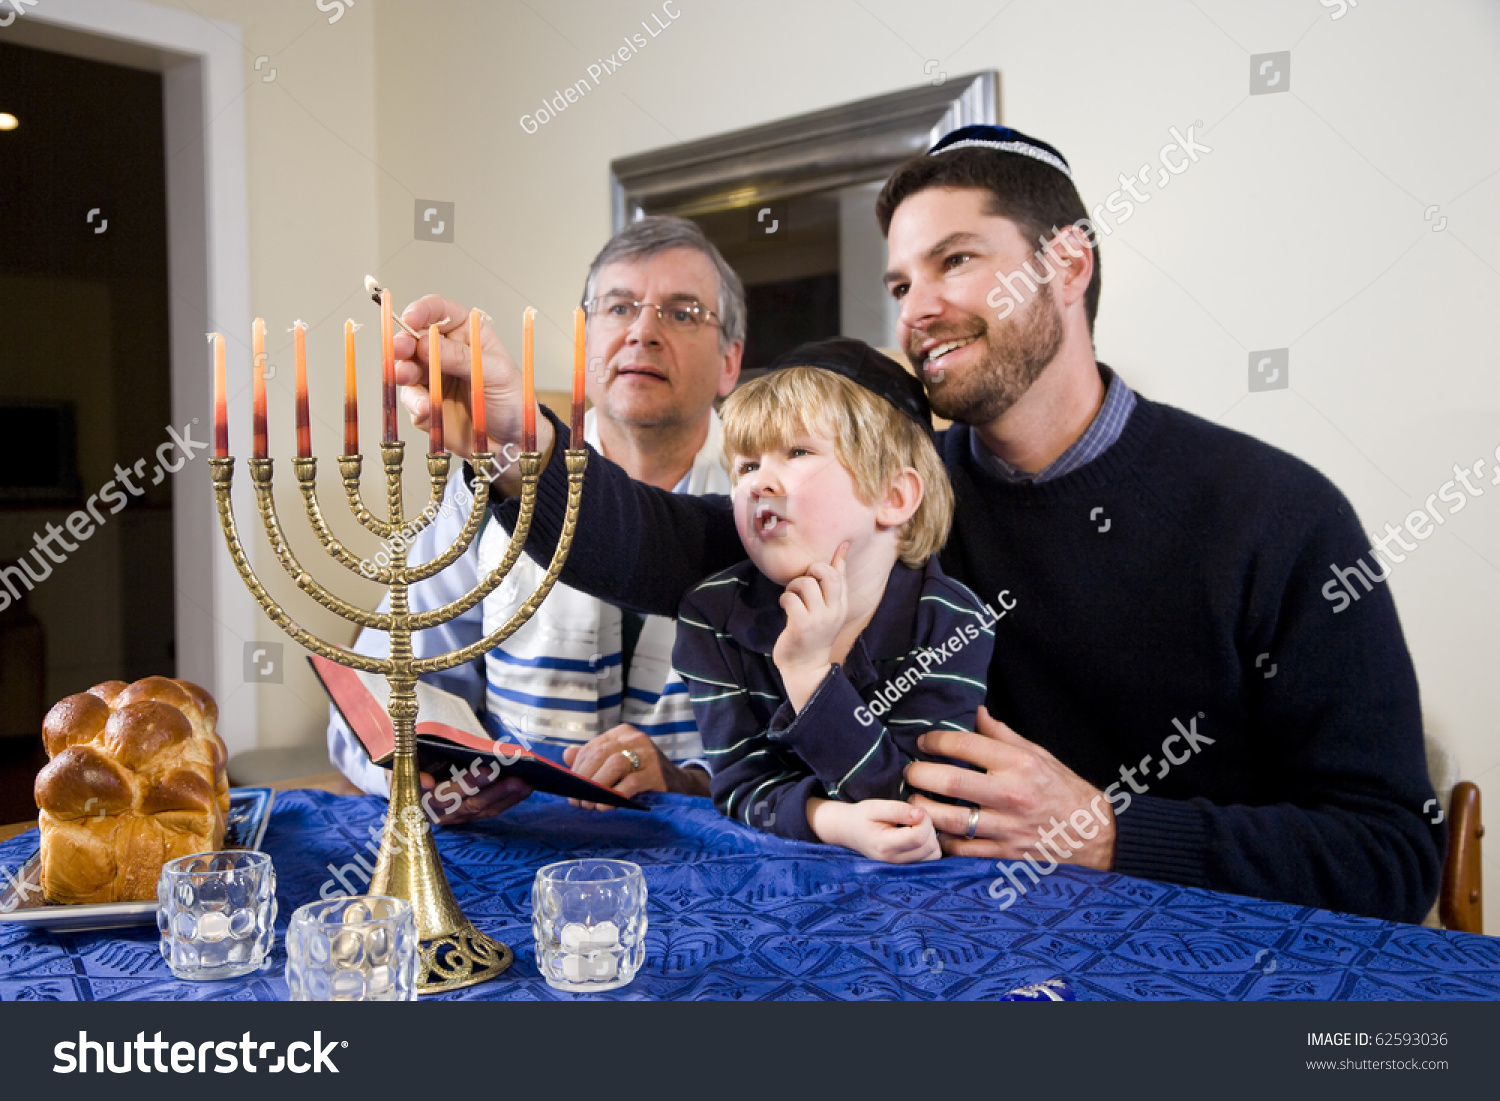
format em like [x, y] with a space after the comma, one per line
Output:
[85, 389]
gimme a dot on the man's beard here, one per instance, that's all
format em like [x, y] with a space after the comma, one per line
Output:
[1019, 350]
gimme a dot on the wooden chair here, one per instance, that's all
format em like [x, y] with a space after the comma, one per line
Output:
[1460, 905]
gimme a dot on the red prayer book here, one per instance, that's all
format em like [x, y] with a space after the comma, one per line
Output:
[449, 736]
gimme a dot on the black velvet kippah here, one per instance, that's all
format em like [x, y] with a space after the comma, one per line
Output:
[1004, 140]
[864, 366]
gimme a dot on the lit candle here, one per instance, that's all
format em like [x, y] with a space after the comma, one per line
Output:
[435, 390]
[221, 405]
[388, 368]
[351, 403]
[476, 383]
[258, 416]
[528, 383]
[577, 422]
[304, 427]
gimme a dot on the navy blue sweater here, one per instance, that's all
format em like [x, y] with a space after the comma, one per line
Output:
[920, 663]
[1148, 586]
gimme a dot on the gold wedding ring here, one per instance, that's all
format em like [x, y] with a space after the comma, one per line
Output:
[634, 758]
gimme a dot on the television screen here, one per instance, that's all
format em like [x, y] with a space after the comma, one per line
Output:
[38, 457]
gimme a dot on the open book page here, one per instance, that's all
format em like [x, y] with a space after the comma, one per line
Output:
[440, 714]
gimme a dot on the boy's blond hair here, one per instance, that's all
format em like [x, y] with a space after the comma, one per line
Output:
[874, 441]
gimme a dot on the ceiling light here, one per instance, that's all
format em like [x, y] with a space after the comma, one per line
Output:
[8, 122]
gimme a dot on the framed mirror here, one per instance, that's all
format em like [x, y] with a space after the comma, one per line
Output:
[791, 205]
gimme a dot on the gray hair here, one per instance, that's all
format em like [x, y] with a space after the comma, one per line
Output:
[655, 234]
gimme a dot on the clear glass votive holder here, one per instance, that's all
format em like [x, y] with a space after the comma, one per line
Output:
[217, 913]
[589, 921]
[361, 948]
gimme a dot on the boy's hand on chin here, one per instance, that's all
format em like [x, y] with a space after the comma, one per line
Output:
[816, 606]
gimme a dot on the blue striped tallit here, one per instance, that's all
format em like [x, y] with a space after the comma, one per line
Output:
[557, 680]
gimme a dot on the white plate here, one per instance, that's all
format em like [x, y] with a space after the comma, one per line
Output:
[21, 902]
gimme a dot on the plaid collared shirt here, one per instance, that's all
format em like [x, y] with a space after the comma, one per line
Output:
[1099, 437]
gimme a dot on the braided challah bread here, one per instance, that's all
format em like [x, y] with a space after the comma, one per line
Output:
[136, 779]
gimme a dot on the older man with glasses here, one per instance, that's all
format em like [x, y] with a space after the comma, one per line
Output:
[582, 681]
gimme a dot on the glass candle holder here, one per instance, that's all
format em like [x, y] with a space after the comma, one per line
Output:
[589, 920]
[357, 949]
[217, 913]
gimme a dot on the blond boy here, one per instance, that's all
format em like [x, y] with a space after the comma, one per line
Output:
[814, 667]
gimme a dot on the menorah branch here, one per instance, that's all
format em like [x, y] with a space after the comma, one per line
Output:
[222, 472]
[531, 464]
[472, 524]
[576, 460]
[260, 473]
[391, 454]
[307, 479]
[350, 466]
[437, 474]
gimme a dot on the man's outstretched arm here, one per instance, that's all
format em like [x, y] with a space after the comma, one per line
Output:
[635, 545]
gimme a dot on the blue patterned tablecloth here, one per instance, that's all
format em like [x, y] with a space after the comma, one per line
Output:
[743, 915]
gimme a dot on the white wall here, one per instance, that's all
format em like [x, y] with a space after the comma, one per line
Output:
[1303, 228]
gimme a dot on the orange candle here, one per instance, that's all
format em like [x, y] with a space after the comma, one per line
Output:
[351, 403]
[304, 426]
[221, 406]
[528, 382]
[577, 422]
[387, 368]
[435, 390]
[476, 383]
[258, 415]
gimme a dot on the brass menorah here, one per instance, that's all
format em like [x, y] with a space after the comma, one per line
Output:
[453, 952]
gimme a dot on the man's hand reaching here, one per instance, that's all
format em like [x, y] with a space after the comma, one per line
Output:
[502, 384]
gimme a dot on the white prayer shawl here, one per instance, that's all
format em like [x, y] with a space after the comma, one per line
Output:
[557, 680]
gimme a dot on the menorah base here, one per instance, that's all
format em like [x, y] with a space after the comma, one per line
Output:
[461, 959]
[454, 954]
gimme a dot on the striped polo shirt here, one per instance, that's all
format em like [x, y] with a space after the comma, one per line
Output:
[921, 662]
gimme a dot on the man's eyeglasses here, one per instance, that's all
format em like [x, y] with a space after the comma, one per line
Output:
[682, 315]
